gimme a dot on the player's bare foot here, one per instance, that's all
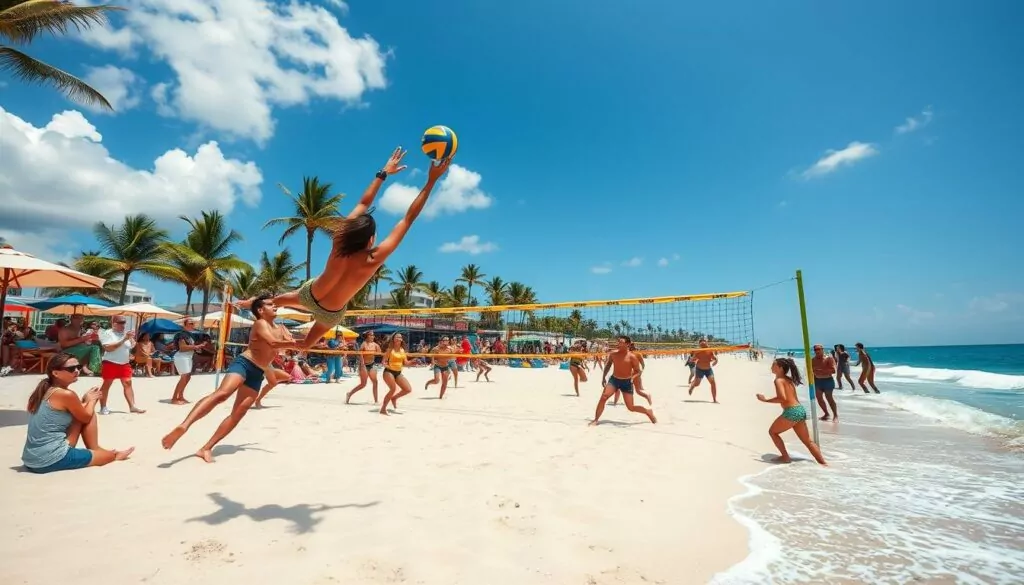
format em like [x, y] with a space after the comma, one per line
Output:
[691, 391]
[122, 455]
[137, 410]
[348, 396]
[782, 459]
[205, 454]
[650, 415]
[593, 423]
[172, 437]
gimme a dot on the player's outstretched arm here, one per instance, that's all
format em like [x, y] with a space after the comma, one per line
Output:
[390, 244]
[393, 166]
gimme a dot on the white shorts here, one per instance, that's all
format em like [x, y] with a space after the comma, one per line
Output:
[183, 363]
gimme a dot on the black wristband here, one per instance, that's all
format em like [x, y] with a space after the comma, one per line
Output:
[382, 175]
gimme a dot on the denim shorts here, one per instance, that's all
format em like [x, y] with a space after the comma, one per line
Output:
[74, 459]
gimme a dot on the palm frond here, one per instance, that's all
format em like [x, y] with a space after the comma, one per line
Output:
[24, 21]
[30, 70]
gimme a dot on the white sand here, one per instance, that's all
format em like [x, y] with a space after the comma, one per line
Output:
[500, 483]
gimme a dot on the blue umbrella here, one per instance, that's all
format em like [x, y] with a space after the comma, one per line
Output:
[158, 326]
[73, 300]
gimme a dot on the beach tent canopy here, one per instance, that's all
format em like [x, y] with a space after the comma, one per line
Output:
[213, 320]
[75, 304]
[17, 308]
[21, 270]
[158, 326]
[147, 309]
[379, 329]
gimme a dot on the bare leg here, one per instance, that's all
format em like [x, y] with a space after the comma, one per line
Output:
[781, 425]
[871, 380]
[389, 379]
[820, 397]
[243, 400]
[800, 429]
[105, 392]
[271, 383]
[373, 383]
[860, 380]
[575, 379]
[694, 384]
[129, 396]
[831, 402]
[179, 389]
[628, 399]
[850, 380]
[455, 374]
[436, 380]
[714, 389]
[404, 388]
[605, 395]
[444, 384]
[228, 386]
[363, 377]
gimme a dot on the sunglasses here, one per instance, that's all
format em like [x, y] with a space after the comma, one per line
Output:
[71, 369]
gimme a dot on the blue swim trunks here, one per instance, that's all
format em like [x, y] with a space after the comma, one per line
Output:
[825, 384]
[702, 373]
[625, 386]
[73, 459]
[252, 375]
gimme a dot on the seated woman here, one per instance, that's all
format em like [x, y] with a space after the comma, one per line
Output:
[58, 419]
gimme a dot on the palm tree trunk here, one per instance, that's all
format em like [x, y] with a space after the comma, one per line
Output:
[188, 300]
[376, 286]
[469, 295]
[124, 286]
[309, 251]
[206, 306]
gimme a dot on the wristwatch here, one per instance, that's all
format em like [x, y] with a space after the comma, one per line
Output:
[382, 175]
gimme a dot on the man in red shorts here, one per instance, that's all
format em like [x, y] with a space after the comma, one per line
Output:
[116, 365]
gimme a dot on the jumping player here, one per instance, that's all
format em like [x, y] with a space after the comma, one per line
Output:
[244, 375]
[354, 259]
[625, 367]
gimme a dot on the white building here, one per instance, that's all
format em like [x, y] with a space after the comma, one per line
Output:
[381, 300]
[137, 294]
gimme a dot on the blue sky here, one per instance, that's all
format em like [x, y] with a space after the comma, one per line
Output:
[876, 146]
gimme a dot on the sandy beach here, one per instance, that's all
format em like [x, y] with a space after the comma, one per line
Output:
[499, 483]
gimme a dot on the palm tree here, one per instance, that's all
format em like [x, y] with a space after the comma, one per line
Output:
[520, 294]
[206, 250]
[409, 279]
[187, 273]
[434, 291]
[21, 21]
[279, 273]
[244, 282]
[137, 245]
[361, 299]
[497, 290]
[458, 296]
[401, 299]
[316, 210]
[471, 274]
[111, 285]
[383, 273]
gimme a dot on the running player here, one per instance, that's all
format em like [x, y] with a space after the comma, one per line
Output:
[639, 377]
[244, 375]
[577, 366]
[439, 365]
[368, 363]
[625, 368]
[794, 415]
[354, 259]
[394, 360]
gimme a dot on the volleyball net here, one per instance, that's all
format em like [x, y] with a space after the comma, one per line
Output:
[658, 326]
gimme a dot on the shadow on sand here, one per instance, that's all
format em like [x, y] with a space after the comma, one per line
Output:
[218, 451]
[303, 517]
[13, 418]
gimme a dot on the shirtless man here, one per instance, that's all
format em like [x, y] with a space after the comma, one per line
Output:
[824, 367]
[244, 375]
[703, 360]
[867, 369]
[367, 366]
[625, 368]
[354, 259]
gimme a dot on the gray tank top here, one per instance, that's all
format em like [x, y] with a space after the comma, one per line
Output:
[47, 440]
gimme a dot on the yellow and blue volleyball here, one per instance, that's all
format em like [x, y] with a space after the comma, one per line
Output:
[439, 142]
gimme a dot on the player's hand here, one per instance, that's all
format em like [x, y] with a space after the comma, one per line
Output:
[438, 169]
[246, 304]
[761, 398]
[394, 164]
[93, 394]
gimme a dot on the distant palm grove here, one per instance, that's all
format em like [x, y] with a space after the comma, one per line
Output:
[203, 262]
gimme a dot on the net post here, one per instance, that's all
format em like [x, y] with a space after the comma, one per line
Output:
[222, 336]
[807, 353]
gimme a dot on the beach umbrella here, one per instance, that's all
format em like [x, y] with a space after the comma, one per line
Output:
[213, 320]
[339, 330]
[21, 270]
[158, 326]
[75, 304]
[17, 308]
[141, 309]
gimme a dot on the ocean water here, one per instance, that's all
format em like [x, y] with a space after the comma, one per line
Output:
[925, 484]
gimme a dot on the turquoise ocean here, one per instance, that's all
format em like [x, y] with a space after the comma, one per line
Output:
[926, 483]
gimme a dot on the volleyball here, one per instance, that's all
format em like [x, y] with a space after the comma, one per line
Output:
[439, 142]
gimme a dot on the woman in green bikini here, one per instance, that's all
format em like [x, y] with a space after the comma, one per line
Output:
[794, 416]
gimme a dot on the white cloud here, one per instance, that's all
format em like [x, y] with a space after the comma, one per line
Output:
[458, 191]
[675, 257]
[915, 316]
[470, 245]
[61, 176]
[833, 159]
[633, 262]
[912, 124]
[601, 269]
[50, 244]
[120, 86]
[662, 262]
[234, 61]
[997, 303]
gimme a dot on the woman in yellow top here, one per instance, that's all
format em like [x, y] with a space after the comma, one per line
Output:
[394, 360]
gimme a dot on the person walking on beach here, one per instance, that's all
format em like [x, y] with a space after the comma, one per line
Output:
[794, 415]
[625, 368]
[439, 365]
[244, 376]
[867, 369]
[704, 358]
[367, 366]
[824, 368]
[843, 367]
[116, 364]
